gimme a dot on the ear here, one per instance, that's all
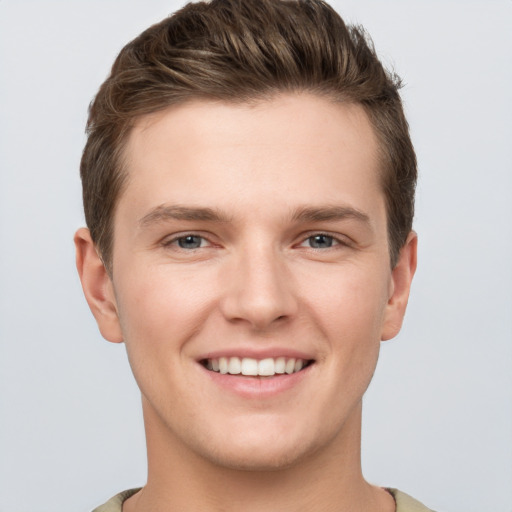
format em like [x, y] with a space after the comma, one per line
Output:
[400, 286]
[97, 286]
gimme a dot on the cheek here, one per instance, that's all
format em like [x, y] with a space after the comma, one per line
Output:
[349, 312]
[348, 302]
[159, 314]
[347, 309]
[160, 309]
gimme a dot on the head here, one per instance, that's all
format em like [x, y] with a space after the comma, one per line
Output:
[242, 52]
[248, 185]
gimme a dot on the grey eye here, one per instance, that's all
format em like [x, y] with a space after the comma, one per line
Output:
[190, 242]
[320, 241]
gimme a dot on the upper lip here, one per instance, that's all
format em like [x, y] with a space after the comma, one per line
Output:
[257, 353]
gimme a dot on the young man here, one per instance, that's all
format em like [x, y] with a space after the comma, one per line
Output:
[248, 186]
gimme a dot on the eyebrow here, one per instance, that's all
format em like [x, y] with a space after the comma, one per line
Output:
[164, 213]
[167, 212]
[329, 213]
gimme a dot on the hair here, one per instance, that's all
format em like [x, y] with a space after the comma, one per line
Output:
[242, 51]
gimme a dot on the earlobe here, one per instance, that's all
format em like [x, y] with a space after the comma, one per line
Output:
[97, 286]
[400, 286]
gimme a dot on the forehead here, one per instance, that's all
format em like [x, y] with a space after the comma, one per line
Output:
[294, 147]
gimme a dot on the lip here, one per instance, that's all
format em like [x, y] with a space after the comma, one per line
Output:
[257, 354]
[252, 387]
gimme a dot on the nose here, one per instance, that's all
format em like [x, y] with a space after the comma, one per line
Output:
[259, 290]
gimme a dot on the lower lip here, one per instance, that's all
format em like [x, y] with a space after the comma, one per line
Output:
[258, 387]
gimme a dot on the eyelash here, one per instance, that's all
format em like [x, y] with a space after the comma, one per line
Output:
[334, 241]
[176, 240]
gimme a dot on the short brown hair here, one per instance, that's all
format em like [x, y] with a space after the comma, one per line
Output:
[239, 51]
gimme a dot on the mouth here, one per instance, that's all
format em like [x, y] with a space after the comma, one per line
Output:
[251, 367]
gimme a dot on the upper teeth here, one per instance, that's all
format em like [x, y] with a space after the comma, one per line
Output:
[249, 366]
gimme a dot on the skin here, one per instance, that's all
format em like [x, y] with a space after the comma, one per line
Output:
[295, 258]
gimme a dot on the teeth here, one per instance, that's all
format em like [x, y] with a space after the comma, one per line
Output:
[266, 367]
[223, 365]
[280, 365]
[254, 367]
[290, 366]
[234, 366]
[249, 366]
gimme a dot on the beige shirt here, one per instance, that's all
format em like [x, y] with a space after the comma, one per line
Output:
[404, 503]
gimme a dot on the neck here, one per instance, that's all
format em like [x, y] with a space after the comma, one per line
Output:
[327, 480]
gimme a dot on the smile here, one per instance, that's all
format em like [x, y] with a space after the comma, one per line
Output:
[267, 367]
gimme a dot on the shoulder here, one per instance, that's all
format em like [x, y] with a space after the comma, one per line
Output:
[405, 503]
[115, 504]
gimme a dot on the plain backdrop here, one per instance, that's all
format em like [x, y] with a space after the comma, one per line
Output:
[438, 414]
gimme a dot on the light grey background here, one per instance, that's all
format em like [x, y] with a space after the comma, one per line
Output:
[438, 415]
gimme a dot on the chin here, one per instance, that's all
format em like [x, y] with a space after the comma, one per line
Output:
[258, 450]
[256, 461]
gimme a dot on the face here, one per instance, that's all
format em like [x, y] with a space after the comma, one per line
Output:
[251, 276]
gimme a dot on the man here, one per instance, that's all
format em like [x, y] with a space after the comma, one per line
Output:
[248, 187]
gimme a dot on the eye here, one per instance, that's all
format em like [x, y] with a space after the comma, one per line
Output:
[189, 242]
[320, 241]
